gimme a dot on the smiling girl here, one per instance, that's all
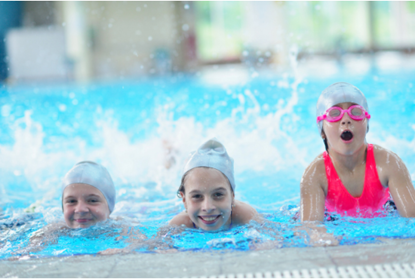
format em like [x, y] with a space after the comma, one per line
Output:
[352, 178]
[88, 198]
[208, 191]
[88, 195]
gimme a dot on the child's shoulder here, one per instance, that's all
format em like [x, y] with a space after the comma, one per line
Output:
[318, 161]
[181, 219]
[377, 149]
[386, 158]
[384, 155]
[316, 166]
[242, 213]
[314, 176]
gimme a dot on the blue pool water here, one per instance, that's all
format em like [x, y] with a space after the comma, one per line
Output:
[142, 131]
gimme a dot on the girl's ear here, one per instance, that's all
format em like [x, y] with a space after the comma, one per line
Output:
[183, 197]
[184, 200]
[233, 200]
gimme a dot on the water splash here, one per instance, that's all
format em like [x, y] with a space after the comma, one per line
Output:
[144, 134]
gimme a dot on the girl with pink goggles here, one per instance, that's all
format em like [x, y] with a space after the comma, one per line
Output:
[334, 114]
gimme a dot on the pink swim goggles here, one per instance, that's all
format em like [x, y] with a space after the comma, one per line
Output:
[334, 114]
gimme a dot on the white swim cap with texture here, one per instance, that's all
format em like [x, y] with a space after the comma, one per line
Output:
[340, 92]
[212, 154]
[93, 174]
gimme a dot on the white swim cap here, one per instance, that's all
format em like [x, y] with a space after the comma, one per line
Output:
[93, 174]
[340, 92]
[212, 154]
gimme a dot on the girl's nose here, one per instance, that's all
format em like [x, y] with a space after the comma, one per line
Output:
[346, 119]
[81, 207]
[208, 205]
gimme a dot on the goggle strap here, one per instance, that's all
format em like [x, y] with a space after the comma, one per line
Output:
[320, 118]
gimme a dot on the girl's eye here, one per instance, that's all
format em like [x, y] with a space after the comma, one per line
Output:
[217, 195]
[93, 200]
[357, 111]
[334, 112]
[197, 196]
[70, 201]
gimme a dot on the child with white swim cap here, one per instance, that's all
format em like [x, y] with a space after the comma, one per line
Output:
[208, 191]
[88, 195]
[352, 177]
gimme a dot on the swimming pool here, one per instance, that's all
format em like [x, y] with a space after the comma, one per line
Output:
[142, 131]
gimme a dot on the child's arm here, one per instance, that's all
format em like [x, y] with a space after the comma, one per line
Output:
[400, 184]
[312, 205]
[133, 236]
[41, 238]
[162, 241]
[312, 193]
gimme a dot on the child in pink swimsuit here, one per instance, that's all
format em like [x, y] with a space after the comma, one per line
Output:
[352, 178]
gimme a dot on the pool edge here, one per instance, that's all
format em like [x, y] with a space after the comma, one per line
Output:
[217, 263]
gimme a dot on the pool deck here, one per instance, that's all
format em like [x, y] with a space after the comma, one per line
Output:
[196, 264]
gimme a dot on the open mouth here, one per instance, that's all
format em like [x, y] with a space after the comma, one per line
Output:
[347, 136]
[209, 219]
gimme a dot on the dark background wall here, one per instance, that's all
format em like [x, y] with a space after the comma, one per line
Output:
[10, 16]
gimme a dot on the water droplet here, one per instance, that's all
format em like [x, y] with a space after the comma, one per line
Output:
[62, 107]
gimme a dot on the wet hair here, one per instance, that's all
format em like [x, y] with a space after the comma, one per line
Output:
[325, 145]
[325, 140]
[182, 189]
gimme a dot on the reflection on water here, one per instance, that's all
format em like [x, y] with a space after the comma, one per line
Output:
[142, 133]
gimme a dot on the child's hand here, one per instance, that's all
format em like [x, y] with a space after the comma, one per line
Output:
[317, 236]
[113, 251]
[166, 251]
[20, 258]
[265, 245]
[321, 239]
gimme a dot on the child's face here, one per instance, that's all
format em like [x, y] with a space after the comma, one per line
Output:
[84, 205]
[345, 136]
[208, 198]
